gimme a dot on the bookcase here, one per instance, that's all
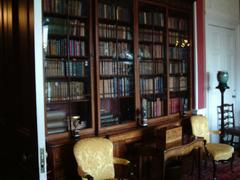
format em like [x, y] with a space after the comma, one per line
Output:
[179, 42]
[152, 59]
[114, 62]
[108, 65]
[139, 60]
[67, 66]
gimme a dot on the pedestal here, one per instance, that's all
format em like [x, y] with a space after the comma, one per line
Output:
[222, 88]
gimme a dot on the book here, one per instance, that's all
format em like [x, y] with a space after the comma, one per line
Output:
[57, 124]
[56, 115]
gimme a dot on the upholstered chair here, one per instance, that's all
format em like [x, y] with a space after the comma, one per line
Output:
[95, 159]
[218, 152]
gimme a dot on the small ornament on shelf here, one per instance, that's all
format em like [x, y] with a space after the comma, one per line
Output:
[76, 125]
[143, 121]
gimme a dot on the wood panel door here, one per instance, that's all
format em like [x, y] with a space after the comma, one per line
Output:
[21, 118]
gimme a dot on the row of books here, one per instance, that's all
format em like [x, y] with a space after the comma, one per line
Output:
[58, 26]
[77, 68]
[177, 67]
[149, 51]
[114, 87]
[177, 23]
[176, 38]
[178, 84]
[115, 68]
[113, 12]
[108, 119]
[76, 48]
[178, 53]
[71, 7]
[114, 31]
[149, 35]
[175, 105]
[154, 108]
[151, 85]
[55, 68]
[77, 28]
[122, 49]
[178, 104]
[149, 68]
[151, 18]
[60, 91]
[59, 47]
[56, 121]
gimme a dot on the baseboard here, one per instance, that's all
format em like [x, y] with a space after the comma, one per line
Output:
[199, 111]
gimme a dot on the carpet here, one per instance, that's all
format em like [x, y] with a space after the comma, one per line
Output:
[223, 171]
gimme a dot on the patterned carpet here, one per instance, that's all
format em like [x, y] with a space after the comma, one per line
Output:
[223, 171]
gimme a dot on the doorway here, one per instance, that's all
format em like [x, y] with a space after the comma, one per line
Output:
[220, 56]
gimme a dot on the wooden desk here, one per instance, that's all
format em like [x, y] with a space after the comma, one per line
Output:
[182, 150]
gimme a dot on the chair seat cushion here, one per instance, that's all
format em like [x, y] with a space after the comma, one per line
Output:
[220, 151]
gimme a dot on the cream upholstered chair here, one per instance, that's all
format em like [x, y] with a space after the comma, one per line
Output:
[95, 159]
[218, 152]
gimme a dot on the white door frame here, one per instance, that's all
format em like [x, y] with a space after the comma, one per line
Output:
[39, 84]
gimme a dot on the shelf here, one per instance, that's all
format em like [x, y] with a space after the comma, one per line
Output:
[75, 37]
[64, 16]
[57, 36]
[154, 95]
[56, 78]
[114, 76]
[178, 74]
[146, 42]
[153, 75]
[115, 40]
[111, 58]
[56, 56]
[179, 60]
[116, 97]
[179, 31]
[152, 27]
[179, 94]
[114, 22]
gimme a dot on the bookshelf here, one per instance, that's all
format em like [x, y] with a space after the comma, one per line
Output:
[179, 42]
[114, 62]
[149, 70]
[67, 66]
[152, 59]
[106, 62]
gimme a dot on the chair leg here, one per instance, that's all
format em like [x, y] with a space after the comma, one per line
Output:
[214, 169]
[193, 161]
[232, 159]
[205, 161]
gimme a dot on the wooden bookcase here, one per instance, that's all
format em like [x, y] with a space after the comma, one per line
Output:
[180, 59]
[68, 67]
[153, 60]
[114, 64]
[106, 62]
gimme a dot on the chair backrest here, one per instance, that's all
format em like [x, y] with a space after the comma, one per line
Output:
[95, 157]
[200, 127]
[228, 115]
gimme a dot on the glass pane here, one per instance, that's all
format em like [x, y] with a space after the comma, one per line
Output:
[116, 67]
[67, 65]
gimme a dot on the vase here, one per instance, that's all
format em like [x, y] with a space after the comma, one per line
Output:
[222, 77]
